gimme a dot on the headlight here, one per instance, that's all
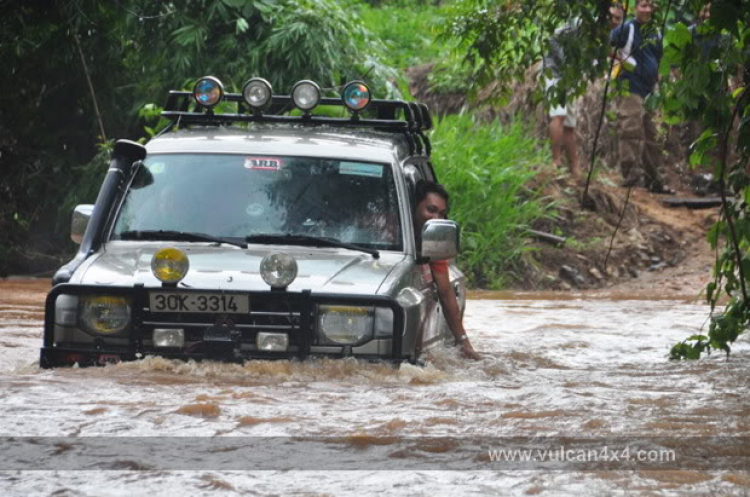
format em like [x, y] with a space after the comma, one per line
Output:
[344, 324]
[106, 315]
[170, 265]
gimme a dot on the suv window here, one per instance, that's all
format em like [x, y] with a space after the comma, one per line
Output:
[234, 196]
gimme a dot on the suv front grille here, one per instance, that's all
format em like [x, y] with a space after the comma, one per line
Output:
[272, 313]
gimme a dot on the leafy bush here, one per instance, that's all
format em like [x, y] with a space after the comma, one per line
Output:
[134, 52]
[408, 39]
[488, 169]
[283, 41]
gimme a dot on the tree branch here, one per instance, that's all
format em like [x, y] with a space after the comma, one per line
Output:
[91, 87]
[724, 202]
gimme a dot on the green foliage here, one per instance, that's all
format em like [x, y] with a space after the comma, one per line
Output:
[452, 75]
[709, 57]
[85, 192]
[500, 39]
[283, 41]
[134, 52]
[407, 31]
[488, 176]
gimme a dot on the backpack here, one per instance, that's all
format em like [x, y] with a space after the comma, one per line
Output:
[623, 57]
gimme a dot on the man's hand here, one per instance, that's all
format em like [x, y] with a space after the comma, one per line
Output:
[453, 314]
[468, 351]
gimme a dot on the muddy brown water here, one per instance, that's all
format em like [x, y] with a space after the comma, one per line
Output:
[568, 378]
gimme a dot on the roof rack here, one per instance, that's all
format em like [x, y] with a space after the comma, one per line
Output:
[397, 116]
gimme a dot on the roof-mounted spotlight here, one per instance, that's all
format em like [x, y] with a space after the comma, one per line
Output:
[306, 95]
[257, 93]
[356, 96]
[208, 91]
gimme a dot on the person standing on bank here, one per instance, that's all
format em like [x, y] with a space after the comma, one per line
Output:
[639, 46]
[562, 123]
[432, 202]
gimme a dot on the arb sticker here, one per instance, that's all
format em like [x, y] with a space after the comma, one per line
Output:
[263, 163]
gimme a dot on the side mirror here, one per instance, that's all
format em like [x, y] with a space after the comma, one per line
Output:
[80, 221]
[440, 239]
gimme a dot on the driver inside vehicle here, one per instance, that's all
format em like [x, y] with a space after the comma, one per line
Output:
[376, 224]
[164, 211]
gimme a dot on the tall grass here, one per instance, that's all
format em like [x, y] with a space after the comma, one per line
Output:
[407, 30]
[488, 170]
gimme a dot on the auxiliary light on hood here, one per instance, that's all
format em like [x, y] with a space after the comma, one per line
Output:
[278, 270]
[170, 265]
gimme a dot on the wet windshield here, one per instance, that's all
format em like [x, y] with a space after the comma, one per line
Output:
[236, 196]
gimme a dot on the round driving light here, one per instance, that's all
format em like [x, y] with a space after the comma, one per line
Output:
[170, 265]
[306, 95]
[208, 91]
[257, 93]
[278, 270]
[356, 96]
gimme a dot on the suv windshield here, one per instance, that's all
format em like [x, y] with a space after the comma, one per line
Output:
[236, 196]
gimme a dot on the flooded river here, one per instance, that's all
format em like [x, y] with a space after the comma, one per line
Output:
[575, 397]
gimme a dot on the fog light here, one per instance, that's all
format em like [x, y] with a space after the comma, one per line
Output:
[278, 270]
[272, 342]
[170, 265]
[168, 337]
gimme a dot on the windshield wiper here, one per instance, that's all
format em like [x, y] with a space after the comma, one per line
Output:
[179, 236]
[289, 239]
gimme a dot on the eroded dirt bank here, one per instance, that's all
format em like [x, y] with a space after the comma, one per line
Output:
[657, 249]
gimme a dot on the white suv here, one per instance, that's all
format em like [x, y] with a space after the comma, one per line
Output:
[247, 234]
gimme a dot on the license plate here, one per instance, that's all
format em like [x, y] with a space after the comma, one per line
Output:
[199, 302]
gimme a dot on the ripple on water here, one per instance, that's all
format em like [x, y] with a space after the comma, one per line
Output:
[742, 480]
[202, 410]
[252, 420]
[538, 414]
[662, 402]
[533, 360]
[394, 426]
[594, 424]
[213, 482]
[96, 411]
[616, 353]
[271, 372]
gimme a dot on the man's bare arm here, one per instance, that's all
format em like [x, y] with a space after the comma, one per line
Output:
[453, 314]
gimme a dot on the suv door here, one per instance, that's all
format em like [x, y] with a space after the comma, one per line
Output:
[431, 325]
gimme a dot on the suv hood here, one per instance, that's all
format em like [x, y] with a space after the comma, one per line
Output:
[329, 270]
